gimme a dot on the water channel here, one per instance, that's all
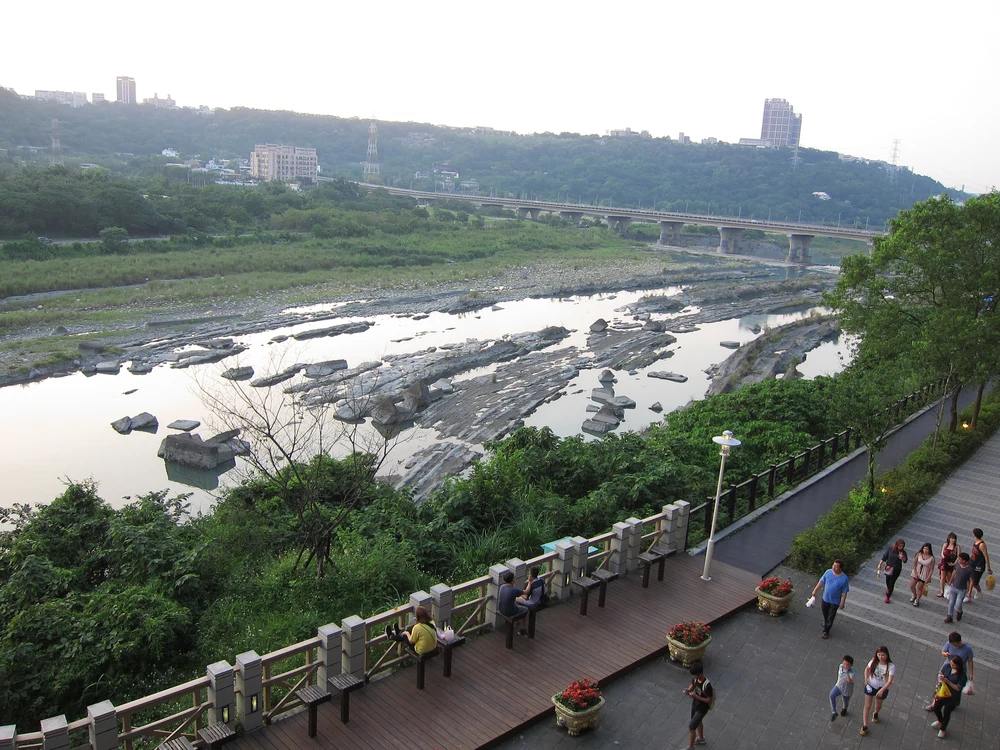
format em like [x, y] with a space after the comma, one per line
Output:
[59, 429]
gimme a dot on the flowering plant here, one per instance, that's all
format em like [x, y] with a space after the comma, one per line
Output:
[689, 633]
[580, 695]
[774, 586]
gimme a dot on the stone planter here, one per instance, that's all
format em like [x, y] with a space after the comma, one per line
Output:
[687, 655]
[773, 605]
[576, 721]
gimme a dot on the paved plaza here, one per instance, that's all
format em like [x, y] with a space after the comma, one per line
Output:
[773, 675]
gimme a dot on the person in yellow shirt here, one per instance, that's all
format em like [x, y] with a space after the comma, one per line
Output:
[421, 635]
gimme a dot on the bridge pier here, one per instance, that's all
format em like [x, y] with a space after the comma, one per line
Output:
[674, 227]
[619, 224]
[573, 216]
[798, 247]
[729, 240]
[523, 213]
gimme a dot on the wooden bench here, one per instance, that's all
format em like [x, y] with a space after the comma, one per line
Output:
[447, 648]
[653, 555]
[312, 696]
[216, 735]
[533, 611]
[510, 621]
[421, 660]
[345, 684]
[178, 743]
[604, 577]
[586, 585]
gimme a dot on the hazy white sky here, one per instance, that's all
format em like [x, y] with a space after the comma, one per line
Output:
[861, 72]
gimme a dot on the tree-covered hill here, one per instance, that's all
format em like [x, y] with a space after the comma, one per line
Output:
[719, 178]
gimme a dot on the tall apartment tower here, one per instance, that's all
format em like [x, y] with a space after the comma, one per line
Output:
[781, 126]
[272, 161]
[126, 90]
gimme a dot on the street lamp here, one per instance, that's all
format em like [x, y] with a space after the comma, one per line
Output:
[725, 442]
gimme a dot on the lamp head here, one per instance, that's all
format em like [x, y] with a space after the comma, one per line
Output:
[727, 441]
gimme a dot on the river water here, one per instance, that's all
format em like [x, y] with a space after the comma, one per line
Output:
[59, 429]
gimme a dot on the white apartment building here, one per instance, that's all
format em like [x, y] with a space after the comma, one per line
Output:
[272, 161]
[72, 98]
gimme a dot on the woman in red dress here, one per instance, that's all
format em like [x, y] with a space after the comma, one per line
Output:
[949, 555]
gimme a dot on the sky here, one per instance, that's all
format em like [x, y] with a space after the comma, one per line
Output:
[862, 74]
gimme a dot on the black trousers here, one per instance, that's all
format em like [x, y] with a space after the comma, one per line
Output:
[890, 582]
[829, 615]
[943, 708]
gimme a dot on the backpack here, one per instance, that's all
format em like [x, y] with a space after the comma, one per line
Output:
[543, 598]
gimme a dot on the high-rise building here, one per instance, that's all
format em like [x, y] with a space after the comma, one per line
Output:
[270, 161]
[126, 90]
[781, 126]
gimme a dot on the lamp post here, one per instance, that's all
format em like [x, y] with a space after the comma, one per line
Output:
[725, 442]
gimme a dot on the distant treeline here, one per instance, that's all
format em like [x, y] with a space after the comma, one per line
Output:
[718, 179]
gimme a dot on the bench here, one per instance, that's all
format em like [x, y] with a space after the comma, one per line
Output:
[447, 648]
[509, 643]
[345, 684]
[216, 735]
[421, 660]
[533, 615]
[586, 585]
[178, 743]
[648, 558]
[312, 696]
[604, 577]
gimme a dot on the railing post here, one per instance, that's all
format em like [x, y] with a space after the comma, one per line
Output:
[8, 737]
[681, 524]
[249, 677]
[353, 633]
[619, 548]
[493, 591]
[833, 445]
[731, 502]
[221, 693]
[822, 455]
[562, 571]
[752, 497]
[791, 470]
[520, 570]
[443, 601]
[420, 599]
[103, 727]
[667, 526]
[581, 547]
[770, 480]
[634, 545]
[808, 456]
[55, 733]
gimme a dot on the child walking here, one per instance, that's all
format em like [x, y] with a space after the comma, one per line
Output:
[844, 687]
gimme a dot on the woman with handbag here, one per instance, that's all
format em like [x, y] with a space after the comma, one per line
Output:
[894, 559]
[950, 683]
[949, 556]
[923, 571]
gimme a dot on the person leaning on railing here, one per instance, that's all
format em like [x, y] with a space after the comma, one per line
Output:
[421, 635]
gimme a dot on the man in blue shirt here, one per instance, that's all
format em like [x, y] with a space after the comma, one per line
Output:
[835, 588]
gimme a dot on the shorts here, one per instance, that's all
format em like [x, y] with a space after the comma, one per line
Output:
[869, 690]
[697, 717]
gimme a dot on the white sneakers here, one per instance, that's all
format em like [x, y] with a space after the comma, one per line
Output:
[937, 725]
[941, 735]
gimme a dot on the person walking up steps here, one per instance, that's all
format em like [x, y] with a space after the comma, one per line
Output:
[894, 559]
[702, 695]
[955, 646]
[844, 687]
[923, 571]
[835, 588]
[980, 560]
[958, 586]
[951, 680]
[879, 675]
[949, 556]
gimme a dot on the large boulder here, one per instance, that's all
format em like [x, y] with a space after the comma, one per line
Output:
[599, 428]
[238, 373]
[663, 375]
[623, 401]
[145, 421]
[184, 425]
[109, 367]
[122, 426]
[598, 326]
[418, 394]
[730, 344]
[602, 394]
[322, 369]
[657, 326]
[191, 450]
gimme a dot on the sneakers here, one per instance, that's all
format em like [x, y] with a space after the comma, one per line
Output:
[958, 615]
[929, 708]
[843, 712]
[522, 631]
[887, 600]
[699, 741]
[941, 735]
[388, 631]
[916, 603]
[967, 599]
[948, 618]
[825, 635]
[875, 718]
[864, 731]
[913, 599]
[935, 724]
[833, 717]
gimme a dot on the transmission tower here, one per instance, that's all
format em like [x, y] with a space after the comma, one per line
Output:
[796, 158]
[370, 163]
[894, 158]
[55, 154]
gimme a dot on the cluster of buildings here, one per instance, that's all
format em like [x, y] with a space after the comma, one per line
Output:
[125, 93]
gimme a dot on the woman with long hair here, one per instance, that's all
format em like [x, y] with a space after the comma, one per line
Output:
[951, 680]
[980, 564]
[893, 560]
[879, 675]
[923, 571]
[949, 556]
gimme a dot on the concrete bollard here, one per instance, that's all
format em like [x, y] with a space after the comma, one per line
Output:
[581, 549]
[249, 686]
[667, 525]
[353, 637]
[221, 693]
[562, 570]
[103, 727]
[420, 599]
[8, 737]
[619, 547]
[635, 544]
[493, 591]
[331, 641]
[681, 526]
[55, 733]
[442, 603]
[520, 570]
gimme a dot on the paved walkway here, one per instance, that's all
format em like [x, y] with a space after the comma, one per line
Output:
[765, 543]
[773, 677]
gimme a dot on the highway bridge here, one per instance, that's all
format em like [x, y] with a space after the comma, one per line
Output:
[731, 228]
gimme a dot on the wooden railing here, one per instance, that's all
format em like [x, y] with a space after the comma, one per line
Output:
[180, 720]
[280, 668]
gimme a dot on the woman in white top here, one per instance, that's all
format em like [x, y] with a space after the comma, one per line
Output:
[923, 572]
[879, 675]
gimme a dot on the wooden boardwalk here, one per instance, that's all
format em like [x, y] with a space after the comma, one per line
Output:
[493, 692]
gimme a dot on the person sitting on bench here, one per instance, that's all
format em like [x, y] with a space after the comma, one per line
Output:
[421, 636]
[508, 598]
[533, 592]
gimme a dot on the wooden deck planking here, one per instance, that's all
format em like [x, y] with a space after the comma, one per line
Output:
[492, 691]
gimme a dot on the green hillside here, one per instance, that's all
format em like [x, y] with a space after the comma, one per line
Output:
[717, 179]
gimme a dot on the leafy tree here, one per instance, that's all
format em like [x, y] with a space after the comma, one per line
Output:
[114, 240]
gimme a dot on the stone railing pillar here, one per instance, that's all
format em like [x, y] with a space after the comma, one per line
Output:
[581, 546]
[520, 570]
[562, 570]
[331, 641]
[420, 599]
[249, 685]
[353, 637]
[634, 544]
[8, 737]
[493, 591]
[619, 547]
[221, 693]
[682, 517]
[667, 525]
[55, 733]
[442, 602]
[103, 727]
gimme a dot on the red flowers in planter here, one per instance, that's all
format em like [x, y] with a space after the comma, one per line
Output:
[774, 586]
[580, 695]
[689, 633]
